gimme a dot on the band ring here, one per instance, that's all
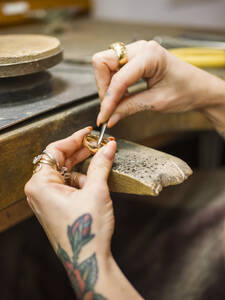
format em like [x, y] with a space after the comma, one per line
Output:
[47, 158]
[51, 157]
[120, 49]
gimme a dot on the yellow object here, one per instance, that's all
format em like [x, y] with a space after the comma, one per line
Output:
[16, 11]
[120, 49]
[201, 57]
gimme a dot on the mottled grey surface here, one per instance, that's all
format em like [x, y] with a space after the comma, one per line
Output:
[141, 170]
[150, 167]
[25, 97]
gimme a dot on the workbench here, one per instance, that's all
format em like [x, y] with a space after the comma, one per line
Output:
[23, 137]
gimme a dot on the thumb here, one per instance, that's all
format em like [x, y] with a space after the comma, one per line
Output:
[101, 164]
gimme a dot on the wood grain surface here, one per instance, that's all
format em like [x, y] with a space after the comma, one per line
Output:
[14, 214]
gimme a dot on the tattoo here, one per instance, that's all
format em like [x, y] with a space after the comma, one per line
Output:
[142, 107]
[83, 275]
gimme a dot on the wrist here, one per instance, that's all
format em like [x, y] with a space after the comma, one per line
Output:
[215, 107]
[201, 89]
[115, 284]
[214, 92]
[207, 90]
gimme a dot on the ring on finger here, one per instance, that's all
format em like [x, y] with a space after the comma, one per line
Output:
[51, 158]
[66, 175]
[120, 49]
[47, 158]
[74, 177]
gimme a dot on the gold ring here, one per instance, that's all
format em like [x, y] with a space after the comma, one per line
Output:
[121, 52]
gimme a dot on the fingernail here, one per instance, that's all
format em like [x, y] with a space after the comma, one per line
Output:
[111, 138]
[114, 119]
[99, 120]
[90, 128]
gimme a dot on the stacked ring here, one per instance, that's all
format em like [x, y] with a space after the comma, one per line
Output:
[48, 159]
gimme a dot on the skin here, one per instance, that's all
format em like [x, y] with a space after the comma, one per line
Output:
[173, 85]
[58, 206]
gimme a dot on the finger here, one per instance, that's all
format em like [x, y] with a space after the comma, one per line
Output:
[105, 64]
[145, 60]
[121, 81]
[64, 149]
[101, 165]
[45, 182]
[138, 102]
[77, 157]
[48, 176]
[153, 100]
[78, 180]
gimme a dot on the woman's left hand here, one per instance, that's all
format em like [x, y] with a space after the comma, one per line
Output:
[57, 205]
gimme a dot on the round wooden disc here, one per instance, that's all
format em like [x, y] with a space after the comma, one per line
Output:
[25, 54]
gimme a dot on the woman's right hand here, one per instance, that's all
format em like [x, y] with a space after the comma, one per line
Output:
[173, 85]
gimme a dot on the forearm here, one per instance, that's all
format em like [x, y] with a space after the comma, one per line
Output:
[195, 89]
[112, 282]
[93, 272]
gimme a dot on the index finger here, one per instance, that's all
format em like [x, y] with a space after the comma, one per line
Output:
[64, 149]
[145, 60]
[105, 63]
[61, 151]
[120, 82]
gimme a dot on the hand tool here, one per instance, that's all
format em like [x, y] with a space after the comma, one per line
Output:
[102, 132]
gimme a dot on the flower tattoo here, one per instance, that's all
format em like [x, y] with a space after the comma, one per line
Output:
[83, 275]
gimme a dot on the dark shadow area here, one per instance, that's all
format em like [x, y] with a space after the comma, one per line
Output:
[31, 88]
[29, 268]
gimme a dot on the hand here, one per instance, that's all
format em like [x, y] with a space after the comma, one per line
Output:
[173, 85]
[57, 205]
[79, 221]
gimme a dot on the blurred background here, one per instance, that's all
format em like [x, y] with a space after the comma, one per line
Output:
[195, 13]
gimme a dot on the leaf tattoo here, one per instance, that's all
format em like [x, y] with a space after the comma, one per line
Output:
[84, 275]
[79, 234]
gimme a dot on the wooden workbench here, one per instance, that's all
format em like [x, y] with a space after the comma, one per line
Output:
[20, 142]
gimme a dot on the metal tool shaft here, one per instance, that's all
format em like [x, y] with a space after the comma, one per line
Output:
[104, 126]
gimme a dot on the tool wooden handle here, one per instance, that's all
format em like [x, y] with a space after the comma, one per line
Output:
[201, 57]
